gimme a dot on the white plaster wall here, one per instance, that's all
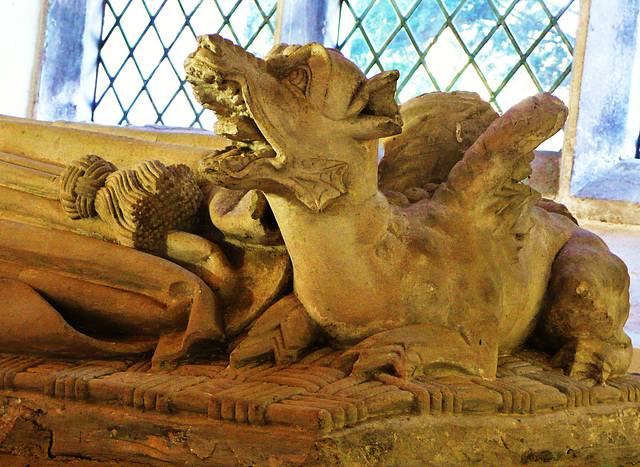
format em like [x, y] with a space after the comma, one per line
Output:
[19, 21]
[606, 130]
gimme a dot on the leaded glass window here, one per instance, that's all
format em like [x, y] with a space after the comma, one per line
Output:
[502, 49]
[140, 78]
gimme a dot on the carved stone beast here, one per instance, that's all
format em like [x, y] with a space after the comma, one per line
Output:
[445, 284]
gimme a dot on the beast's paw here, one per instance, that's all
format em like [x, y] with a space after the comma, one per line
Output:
[392, 358]
[593, 359]
[419, 349]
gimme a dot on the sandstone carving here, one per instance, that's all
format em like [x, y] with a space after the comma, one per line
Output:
[284, 280]
[445, 284]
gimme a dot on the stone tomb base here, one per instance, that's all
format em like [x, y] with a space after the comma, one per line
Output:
[309, 413]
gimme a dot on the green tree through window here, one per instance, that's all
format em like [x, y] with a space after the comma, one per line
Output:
[502, 49]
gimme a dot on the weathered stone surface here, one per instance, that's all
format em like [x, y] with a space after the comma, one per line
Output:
[312, 395]
[441, 297]
[462, 261]
[35, 428]
[594, 436]
[432, 141]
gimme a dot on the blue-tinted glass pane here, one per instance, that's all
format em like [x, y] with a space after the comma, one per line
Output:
[549, 60]
[502, 6]
[400, 54]
[425, 22]
[405, 5]
[358, 50]
[555, 6]
[474, 22]
[474, 53]
[419, 83]
[526, 22]
[497, 58]
[383, 20]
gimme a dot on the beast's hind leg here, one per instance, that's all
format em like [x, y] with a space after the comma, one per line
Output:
[587, 305]
[282, 334]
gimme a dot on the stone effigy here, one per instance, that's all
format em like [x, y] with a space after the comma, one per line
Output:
[288, 299]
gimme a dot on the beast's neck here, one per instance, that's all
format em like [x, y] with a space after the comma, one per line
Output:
[359, 215]
[335, 252]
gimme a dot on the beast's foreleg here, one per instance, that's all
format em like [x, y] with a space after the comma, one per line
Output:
[429, 349]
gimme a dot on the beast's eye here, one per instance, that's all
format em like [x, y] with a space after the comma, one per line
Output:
[299, 78]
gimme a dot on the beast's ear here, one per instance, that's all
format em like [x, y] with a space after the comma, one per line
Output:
[376, 96]
[373, 108]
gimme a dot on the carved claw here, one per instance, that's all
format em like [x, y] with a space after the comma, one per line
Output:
[390, 358]
[422, 349]
[590, 359]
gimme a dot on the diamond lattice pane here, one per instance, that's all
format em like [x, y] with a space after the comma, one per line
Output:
[131, 23]
[556, 7]
[127, 83]
[143, 110]
[502, 49]
[497, 59]
[405, 5]
[163, 79]
[518, 87]
[149, 52]
[400, 53]
[424, 22]
[379, 20]
[471, 79]
[524, 22]
[550, 61]
[447, 57]
[475, 22]
[140, 78]
[419, 83]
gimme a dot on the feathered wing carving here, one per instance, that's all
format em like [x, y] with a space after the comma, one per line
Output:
[504, 151]
[488, 178]
[457, 148]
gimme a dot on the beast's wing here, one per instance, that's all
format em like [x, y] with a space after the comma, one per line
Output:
[438, 129]
[488, 178]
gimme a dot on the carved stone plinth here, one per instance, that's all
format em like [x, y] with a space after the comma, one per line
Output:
[309, 413]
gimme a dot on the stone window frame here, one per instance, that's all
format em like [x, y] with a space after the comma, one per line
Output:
[599, 176]
[73, 29]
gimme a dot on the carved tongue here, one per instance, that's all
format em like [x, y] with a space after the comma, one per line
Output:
[238, 129]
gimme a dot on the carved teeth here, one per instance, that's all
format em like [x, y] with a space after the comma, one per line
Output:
[234, 159]
[238, 129]
[199, 70]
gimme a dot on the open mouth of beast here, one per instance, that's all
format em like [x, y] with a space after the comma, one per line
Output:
[216, 91]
